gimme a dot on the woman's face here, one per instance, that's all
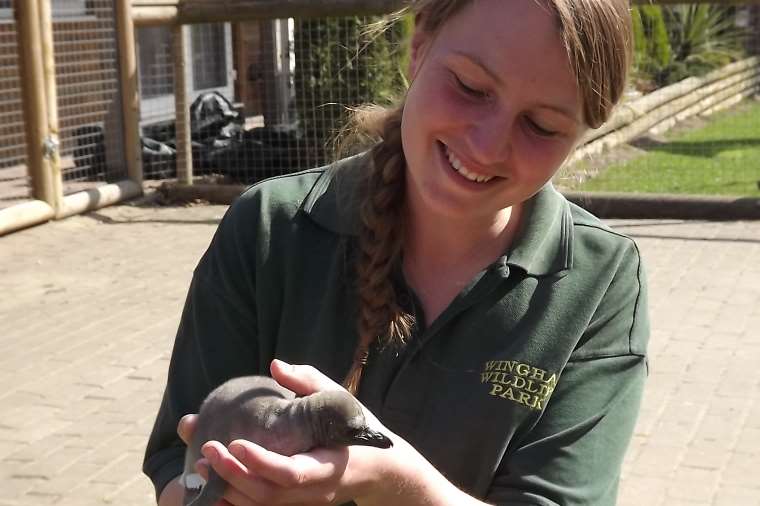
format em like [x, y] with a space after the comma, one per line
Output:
[492, 111]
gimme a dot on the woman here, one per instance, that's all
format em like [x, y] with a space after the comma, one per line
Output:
[497, 332]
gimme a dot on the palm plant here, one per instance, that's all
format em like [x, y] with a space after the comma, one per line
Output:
[677, 41]
[703, 34]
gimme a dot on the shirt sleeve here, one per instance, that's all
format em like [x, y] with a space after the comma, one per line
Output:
[215, 341]
[574, 453]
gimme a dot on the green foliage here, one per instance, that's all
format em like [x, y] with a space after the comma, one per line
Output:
[677, 41]
[656, 35]
[640, 41]
[704, 34]
[341, 63]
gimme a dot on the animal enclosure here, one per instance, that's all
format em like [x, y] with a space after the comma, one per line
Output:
[100, 99]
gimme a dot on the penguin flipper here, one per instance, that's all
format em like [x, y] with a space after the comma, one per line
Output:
[211, 492]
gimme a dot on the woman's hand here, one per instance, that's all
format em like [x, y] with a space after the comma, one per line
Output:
[322, 476]
[367, 475]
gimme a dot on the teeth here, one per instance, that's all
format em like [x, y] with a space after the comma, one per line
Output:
[459, 167]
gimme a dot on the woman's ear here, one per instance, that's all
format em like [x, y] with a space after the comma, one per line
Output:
[419, 44]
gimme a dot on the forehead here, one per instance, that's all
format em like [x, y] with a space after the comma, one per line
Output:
[517, 40]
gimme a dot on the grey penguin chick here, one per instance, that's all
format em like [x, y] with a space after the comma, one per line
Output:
[258, 409]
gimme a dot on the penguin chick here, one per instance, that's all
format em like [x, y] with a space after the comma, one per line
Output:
[258, 409]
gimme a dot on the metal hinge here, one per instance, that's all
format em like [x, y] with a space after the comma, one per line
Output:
[50, 146]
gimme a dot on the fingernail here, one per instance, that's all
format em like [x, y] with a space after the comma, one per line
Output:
[282, 363]
[237, 451]
[211, 454]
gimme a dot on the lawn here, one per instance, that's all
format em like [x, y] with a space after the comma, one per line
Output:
[720, 157]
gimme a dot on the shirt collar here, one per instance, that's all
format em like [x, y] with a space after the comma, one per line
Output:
[543, 247]
[333, 202]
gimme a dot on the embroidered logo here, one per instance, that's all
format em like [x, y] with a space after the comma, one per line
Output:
[519, 382]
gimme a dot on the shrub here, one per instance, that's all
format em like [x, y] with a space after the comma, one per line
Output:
[678, 41]
[339, 64]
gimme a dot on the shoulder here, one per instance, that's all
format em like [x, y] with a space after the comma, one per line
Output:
[280, 196]
[594, 240]
[612, 261]
[325, 195]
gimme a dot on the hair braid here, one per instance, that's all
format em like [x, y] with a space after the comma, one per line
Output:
[597, 37]
[380, 247]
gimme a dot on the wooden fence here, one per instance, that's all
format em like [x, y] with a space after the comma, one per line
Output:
[41, 98]
[47, 89]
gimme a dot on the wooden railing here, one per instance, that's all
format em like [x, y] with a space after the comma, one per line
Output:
[152, 12]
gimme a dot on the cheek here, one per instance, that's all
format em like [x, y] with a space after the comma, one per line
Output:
[539, 159]
[434, 104]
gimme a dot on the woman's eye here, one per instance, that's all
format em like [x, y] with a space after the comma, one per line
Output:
[539, 130]
[474, 92]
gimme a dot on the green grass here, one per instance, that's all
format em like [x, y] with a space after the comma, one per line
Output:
[720, 158]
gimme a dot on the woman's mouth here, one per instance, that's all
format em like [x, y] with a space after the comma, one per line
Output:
[458, 166]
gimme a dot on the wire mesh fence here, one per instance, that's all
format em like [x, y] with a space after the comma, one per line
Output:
[265, 97]
[89, 103]
[14, 180]
[288, 84]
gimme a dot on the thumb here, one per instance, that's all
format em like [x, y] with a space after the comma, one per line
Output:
[301, 379]
[186, 427]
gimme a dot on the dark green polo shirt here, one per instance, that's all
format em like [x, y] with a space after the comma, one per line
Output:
[526, 388]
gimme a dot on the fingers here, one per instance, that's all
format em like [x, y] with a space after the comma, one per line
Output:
[305, 380]
[312, 467]
[301, 379]
[186, 427]
[258, 476]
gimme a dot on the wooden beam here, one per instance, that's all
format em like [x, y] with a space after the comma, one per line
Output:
[24, 215]
[208, 11]
[154, 16]
[181, 108]
[130, 94]
[53, 140]
[101, 196]
[167, 12]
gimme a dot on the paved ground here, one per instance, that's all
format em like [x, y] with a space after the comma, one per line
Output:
[90, 304]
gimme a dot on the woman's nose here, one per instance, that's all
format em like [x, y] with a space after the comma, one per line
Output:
[490, 139]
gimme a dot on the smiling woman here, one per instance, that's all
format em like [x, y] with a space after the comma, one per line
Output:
[497, 332]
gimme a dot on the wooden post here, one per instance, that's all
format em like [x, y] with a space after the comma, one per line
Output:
[240, 56]
[130, 97]
[33, 96]
[181, 108]
[53, 141]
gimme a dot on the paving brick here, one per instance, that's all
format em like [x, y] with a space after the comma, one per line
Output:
[656, 460]
[741, 470]
[643, 490]
[736, 496]
[706, 454]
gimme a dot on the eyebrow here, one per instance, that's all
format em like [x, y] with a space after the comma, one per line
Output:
[493, 75]
[477, 61]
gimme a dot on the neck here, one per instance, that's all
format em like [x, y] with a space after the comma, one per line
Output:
[301, 414]
[470, 242]
[308, 409]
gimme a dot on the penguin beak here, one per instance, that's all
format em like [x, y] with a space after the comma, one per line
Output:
[369, 437]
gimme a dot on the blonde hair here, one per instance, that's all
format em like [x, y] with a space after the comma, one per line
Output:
[597, 36]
